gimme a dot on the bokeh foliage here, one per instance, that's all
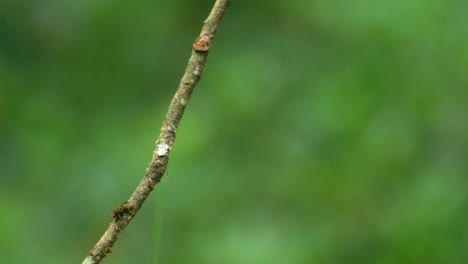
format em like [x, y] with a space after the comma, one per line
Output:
[323, 131]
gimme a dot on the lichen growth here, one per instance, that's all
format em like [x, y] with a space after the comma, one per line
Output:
[163, 149]
[88, 260]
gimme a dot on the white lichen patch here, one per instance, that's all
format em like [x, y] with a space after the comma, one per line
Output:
[88, 260]
[163, 148]
[183, 101]
[196, 72]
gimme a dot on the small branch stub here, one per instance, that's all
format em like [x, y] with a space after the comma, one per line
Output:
[202, 43]
[121, 211]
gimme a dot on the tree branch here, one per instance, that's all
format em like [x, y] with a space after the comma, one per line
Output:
[125, 212]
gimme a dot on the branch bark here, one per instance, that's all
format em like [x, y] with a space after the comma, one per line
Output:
[125, 212]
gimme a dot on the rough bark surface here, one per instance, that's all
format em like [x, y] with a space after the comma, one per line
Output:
[125, 212]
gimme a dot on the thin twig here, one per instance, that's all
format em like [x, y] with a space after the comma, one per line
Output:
[125, 212]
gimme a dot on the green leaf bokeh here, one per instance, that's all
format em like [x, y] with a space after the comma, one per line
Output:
[321, 132]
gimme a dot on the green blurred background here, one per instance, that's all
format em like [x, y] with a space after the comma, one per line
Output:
[322, 131]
